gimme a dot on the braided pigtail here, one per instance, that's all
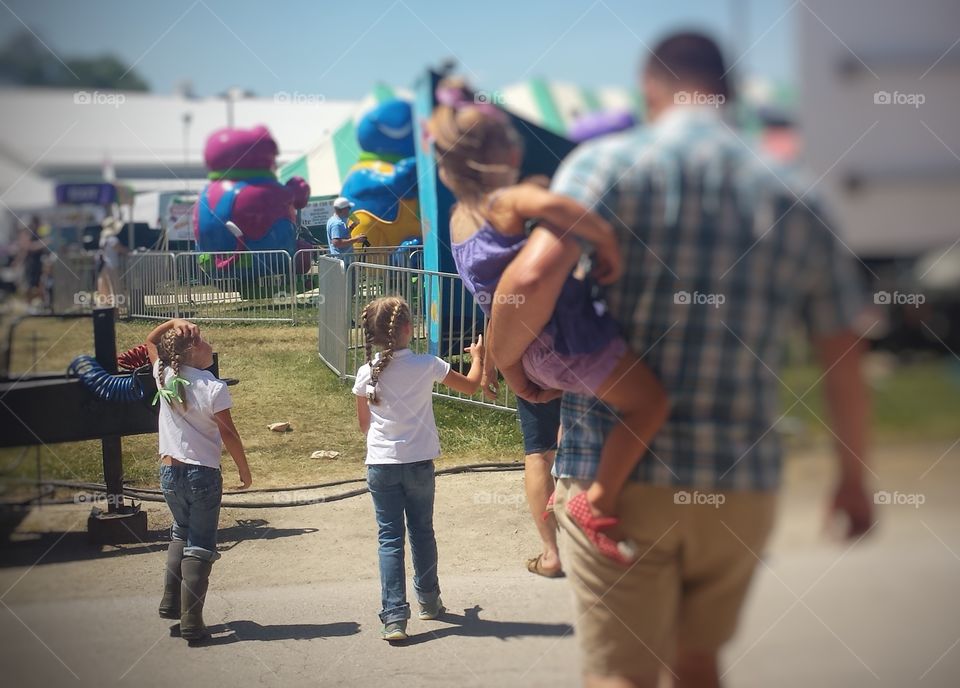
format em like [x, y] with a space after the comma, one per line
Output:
[367, 320]
[382, 323]
[391, 343]
[170, 351]
[161, 370]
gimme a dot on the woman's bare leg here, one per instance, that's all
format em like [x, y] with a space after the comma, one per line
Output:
[538, 484]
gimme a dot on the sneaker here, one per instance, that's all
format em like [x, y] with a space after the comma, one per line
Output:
[431, 611]
[395, 630]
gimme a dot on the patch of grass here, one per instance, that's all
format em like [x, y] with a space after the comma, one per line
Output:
[919, 400]
[282, 379]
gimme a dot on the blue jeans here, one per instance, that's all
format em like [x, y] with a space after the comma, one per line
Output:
[398, 490]
[193, 494]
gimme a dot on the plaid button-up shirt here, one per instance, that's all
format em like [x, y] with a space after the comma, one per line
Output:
[721, 255]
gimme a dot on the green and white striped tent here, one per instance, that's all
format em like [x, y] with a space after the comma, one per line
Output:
[555, 105]
[327, 164]
[550, 104]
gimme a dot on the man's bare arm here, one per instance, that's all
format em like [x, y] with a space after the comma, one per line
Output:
[841, 355]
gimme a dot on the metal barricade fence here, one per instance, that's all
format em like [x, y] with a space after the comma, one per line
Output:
[149, 281]
[235, 286]
[438, 301]
[74, 282]
[270, 286]
[332, 317]
[397, 256]
[306, 264]
[305, 280]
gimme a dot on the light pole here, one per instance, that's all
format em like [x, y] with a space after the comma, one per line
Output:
[186, 118]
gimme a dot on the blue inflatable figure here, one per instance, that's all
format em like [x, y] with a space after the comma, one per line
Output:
[383, 183]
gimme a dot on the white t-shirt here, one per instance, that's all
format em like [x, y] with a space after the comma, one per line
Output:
[190, 434]
[402, 428]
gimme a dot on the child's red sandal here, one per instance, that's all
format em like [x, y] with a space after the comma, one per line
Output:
[578, 509]
[548, 510]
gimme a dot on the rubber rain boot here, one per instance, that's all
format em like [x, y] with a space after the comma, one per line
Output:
[170, 604]
[193, 593]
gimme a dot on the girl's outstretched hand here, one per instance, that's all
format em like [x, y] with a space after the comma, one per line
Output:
[476, 349]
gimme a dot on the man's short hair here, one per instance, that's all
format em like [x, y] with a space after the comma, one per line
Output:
[690, 58]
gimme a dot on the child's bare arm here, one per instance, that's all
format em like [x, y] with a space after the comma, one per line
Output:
[489, 384]
[363, 414]
[567, 218]
[469, 383]
[184, 327]
[231, 440]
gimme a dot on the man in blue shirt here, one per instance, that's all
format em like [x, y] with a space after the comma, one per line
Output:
[338, 231]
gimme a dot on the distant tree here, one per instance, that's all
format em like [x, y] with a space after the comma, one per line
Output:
[106, 71]
[25, 61]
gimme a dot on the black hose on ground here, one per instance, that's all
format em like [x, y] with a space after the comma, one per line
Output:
[148, 495]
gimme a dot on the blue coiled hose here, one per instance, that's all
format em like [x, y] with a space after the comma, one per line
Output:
[103, 385]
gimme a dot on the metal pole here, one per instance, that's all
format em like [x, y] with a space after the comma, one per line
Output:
[105, 350]
[39, 478]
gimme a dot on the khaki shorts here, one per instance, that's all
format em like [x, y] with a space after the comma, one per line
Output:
[696, 558]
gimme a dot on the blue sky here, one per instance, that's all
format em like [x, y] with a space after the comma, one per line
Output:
[339, 49]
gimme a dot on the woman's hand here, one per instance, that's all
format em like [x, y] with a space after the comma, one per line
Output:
[488, 373]
[489, 384]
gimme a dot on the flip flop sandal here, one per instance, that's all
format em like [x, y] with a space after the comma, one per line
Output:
[623, 552]
[535, 566]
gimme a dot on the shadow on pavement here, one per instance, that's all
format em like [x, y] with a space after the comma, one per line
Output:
[32, 549]
[249, 631]
[470, 625]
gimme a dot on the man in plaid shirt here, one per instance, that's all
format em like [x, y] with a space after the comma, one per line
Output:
[720, 254]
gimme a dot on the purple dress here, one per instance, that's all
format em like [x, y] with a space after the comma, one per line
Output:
[580, 344]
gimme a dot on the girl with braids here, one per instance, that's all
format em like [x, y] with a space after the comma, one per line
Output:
[394, 391]
[579, 348]
[194, 423]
